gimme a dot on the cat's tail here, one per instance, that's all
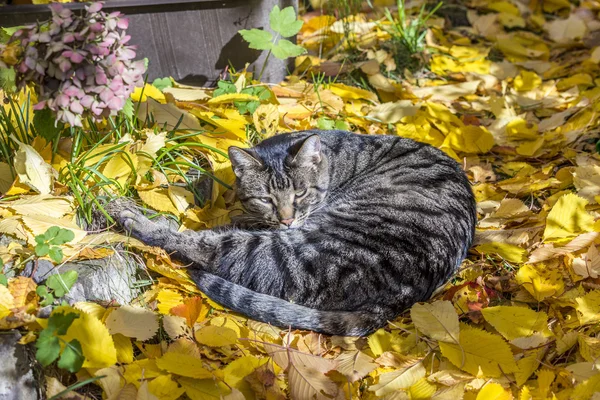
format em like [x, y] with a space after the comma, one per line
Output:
[278, 312]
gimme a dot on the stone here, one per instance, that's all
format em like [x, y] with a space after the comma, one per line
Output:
[110, 279]
[17, 381]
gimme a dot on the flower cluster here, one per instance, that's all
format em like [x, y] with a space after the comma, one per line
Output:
[81, 64]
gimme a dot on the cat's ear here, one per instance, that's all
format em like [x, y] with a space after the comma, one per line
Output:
[310, 151]
[242, 160]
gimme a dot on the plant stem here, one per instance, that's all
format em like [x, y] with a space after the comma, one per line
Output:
[264, 65]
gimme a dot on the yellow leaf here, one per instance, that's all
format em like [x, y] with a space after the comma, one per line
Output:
[119, 167]
[168, 299]
[575, 80]
[145, 368]
[32, 170]
[399, 379]
[7, 302]
[531, 147]
[124, 348]
[204, 389]
[6, 177]
[132, 322]
[355, 365]
[519, 129]
[44, 204]
[504, 7]
[540, 280]
[237, 370]
[422, 390]
[509, 252]
[39, 224]
[494, 391]
[588, 307]
[526, 81]
[527, 365]
[479, 352]
[180, 197]
[23, 291]
[352, 93]
[266, 119]
[235, 126]
[470, 139]
[159, 200]
[184, 365]
[586, 390]
[96, 342]
[165, 388]
[216, 336]
[168, 115]
[437, 320]
[568, 218]
[142, 94]
[514, 322]
[380, 342]
[231, 97]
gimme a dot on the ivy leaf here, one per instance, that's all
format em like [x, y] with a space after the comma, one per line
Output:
[42, 291]
[3, 280]
[7, 79]
[61, 283]
[44, 122]
[55, 254]
[224, 87]
[48, 299]
[285, 49]
[60, 322]
[257, 38]
[61, 236]
[162, 83]
[42, 250]
[325, 123]
[48, 348]
[285, 21]
[72, 358]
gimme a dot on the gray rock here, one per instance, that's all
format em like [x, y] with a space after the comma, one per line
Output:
[110, 279]
[17, 380]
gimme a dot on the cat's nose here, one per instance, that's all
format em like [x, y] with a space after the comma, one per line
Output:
[287, 222]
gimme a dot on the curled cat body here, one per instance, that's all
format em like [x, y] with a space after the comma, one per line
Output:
[342, 231]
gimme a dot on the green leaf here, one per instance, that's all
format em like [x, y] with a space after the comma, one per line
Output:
[263, 93]
[42, 291]
[56, 254]
[59, 323]
[48, 348]
[52, 231]
[285, 49]
[7, 79]
[6, 33]
[162, 83]
[251, 106]
[42, 250]
[61, 236]
[257, 38]
[325, 123]
[44, 122]
[285, 21]
[3, 280]
[127, 109]
[40, 239]
[48, 300]
[61, 283]
[72, 357]
[341, 125]
[224, 88]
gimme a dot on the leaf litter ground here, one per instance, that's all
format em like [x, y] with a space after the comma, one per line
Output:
[514, 97]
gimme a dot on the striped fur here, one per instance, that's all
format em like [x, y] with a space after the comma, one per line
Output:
[384, 221]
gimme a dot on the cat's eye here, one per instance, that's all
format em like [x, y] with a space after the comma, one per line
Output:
[301, 193]
[264, 200]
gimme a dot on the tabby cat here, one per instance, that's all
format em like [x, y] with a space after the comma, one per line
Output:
[343, 231]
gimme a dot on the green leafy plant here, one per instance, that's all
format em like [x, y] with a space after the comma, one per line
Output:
[49, 344]
[47, 243]
[408, 34]
[244, 106]
[285, 24]
[56, 287]
[328, 124]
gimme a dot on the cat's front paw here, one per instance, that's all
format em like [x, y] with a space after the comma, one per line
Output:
[127, 215]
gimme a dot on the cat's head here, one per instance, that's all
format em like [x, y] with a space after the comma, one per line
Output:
[280, 182]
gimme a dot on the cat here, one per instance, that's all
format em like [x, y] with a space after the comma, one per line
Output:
[349, 231]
